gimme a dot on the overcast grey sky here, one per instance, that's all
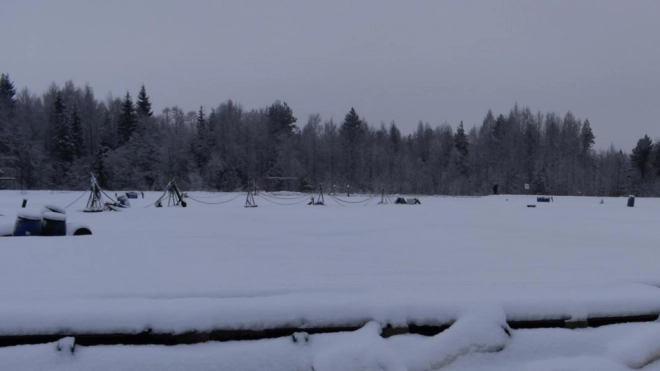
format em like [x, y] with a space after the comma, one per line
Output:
[405, 61]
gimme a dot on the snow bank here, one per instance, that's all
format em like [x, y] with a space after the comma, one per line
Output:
[478, 332]
[361, 350]
[525, 350]
[638, 349]
[576, 364]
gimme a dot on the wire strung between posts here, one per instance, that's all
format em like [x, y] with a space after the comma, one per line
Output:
[285, 197]
[345, 203]
[215, 203]
[284, 204]
[159, 198]
[353, 202]
[77, 199]
[215, 196]
[369, 201]
[298, 199]
[337, 202]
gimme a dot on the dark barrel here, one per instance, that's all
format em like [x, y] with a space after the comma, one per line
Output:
[53, 209]
[631, 201]
[27, 224]
[54, 224]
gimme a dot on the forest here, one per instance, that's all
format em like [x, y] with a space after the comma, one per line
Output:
[57, 139]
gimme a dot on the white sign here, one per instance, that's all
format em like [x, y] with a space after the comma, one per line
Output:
[527, 186]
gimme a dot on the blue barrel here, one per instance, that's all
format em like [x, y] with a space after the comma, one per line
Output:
[631, 201]
[54, 224]
[27, 224]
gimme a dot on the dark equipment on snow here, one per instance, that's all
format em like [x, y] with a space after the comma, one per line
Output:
[174, 196]
[631, 201]
[95, 202]
[410, 201]
[543, 199]
[320, 200]
[54, 224]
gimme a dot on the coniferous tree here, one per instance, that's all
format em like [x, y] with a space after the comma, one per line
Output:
[281, 119]
[304, 185]
[76, 133]
[127, 123]
[200, 125]
[538, 186]
[64, 148]
[461, 144]
[7, 109]
[641, 155]
[656, 158]
[395, 138]
[7, 93]
[351, 131]
[143, 104]
[587, 138]
[461, 140]
[201, 148]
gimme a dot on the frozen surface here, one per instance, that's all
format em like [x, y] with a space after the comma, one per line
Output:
[211, 266]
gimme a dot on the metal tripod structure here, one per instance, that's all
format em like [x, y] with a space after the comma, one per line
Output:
[384, 198]
[174, 196]
[95, 202]
[251, 189]
[320, 200]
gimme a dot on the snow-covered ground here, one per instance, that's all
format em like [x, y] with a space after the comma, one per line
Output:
[471, 346]
[223, 266]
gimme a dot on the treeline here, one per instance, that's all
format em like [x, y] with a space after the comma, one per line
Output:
[54, 141]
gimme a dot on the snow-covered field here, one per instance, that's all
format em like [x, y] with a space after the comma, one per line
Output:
[224, 266]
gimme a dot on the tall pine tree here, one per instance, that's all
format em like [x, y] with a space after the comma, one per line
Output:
[351, 132]
[7, 106]
[461, 144]
[127, 123]
[201, 148]
[76, 133]
[143, 104]
[63, 148]
[587, 137]
[281, 119]
[641, 155]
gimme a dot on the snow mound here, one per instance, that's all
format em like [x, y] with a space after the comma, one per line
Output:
[576, 364]
[477, 332]
[364, 350]
[638, 349]
[482, 331]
